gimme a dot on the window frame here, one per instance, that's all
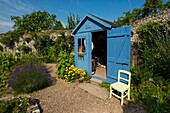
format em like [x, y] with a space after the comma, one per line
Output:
[82, 43]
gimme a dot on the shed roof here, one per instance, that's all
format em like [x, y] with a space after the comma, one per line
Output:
[99, 20]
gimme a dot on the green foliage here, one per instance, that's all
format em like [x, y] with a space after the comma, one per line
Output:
[154, 46]
[150, 7]
[72, 73]
[28, 39]
[7, 61]
[167, 5]
[64, 43]
[34, 22]
[106, 85]
[49, 48]
[29, 59]
[24, 49]
[150, 90]
[42, 43]
[64, 60]
[58, 25]
[11, 37]
[28, 78]
[16, 105]
[72, 21]
[151, 80]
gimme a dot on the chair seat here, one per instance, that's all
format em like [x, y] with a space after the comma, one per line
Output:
[119, 86]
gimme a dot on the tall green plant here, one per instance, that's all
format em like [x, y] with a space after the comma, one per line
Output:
[64, 60]
[7, 61]
[72, 21]
[151, 80]
[64, 43]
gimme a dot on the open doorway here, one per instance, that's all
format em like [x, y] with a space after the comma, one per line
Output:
[99, 53]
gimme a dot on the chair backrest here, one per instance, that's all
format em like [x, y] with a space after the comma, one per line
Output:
[120, 79]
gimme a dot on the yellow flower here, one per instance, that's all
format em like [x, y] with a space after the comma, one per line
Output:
[72, 66]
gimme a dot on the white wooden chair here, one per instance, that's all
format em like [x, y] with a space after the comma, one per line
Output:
[122, 86]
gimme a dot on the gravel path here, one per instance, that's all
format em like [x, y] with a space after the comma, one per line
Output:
[63, 97]
[68, 98]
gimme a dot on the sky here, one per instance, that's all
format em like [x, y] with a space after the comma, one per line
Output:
[106, 9]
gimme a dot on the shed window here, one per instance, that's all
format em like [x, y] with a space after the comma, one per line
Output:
[81, 45]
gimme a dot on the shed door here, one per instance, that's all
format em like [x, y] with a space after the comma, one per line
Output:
[118, 51]
[83, 51]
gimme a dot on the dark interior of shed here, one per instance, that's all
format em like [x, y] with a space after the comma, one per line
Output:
[99, 53]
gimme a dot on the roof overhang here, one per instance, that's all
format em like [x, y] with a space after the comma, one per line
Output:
[103, 22]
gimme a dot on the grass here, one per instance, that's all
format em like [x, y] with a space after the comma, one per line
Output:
[106, 85]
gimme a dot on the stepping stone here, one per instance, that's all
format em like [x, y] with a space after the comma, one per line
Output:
[97, 91]
[96, 81]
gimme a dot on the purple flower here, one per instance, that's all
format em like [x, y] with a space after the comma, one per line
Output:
[29, 77]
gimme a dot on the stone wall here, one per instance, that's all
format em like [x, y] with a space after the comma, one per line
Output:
[53, 35]
[162, 16]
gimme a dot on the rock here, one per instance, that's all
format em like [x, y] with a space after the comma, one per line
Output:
[33, 109]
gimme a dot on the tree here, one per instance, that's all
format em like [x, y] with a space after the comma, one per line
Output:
[128, 18]
[151, 7]
[72, 21]
[34, 22]
[167, 5]
[125, 20]
[136, 13]
[58, 25]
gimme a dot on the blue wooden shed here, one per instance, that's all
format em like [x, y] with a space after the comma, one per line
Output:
[101, 47]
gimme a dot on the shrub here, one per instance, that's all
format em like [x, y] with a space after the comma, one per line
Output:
[64, 60]
[10, 38]
[64, 43]
[72, 73]
[29, 59]
[16, 105]
[7, 61]
[29, 77]
[24, 49]
[151, 91]
[150, 80]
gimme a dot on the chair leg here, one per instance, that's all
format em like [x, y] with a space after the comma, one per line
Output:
[121, 98]
[110, 92]
[129, 94]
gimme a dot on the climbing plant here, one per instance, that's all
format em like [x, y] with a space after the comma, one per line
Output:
[151, 79]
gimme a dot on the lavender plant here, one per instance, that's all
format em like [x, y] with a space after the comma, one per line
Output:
[28, 78]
